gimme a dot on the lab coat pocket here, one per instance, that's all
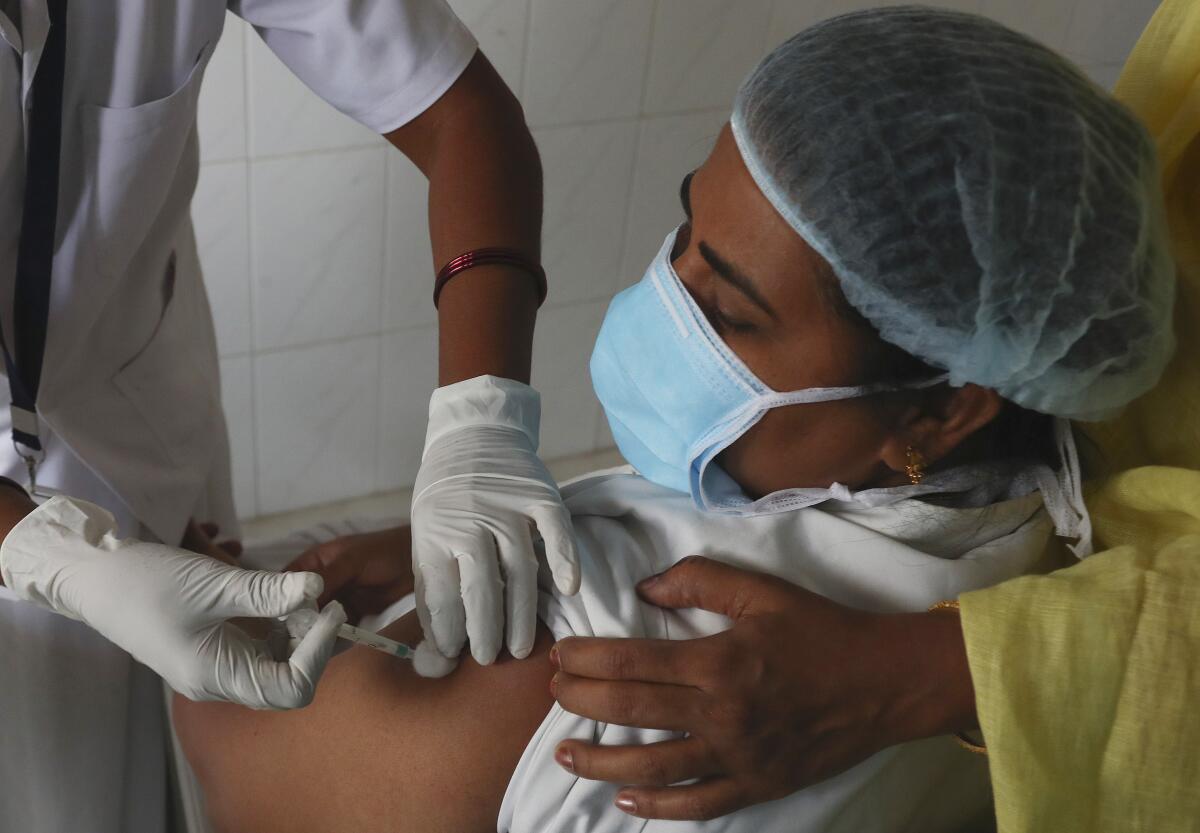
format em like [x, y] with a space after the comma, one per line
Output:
[140, 158]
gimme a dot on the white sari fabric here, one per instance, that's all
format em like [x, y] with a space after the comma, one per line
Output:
[901, 557]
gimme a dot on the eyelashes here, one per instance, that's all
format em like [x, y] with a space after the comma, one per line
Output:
[718, 320]
[723, 324]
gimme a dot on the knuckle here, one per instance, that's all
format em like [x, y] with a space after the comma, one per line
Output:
[655, 771]
[622, 706]
[732, 717]
[714, 670]
[617, 663]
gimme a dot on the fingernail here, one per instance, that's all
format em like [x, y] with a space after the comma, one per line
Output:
[626, 803]
[554, 656]
[554, 686]
[563, 756]
[647, 583]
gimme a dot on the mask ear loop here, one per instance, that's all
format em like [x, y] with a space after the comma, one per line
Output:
[1062, 492]
[705, 450]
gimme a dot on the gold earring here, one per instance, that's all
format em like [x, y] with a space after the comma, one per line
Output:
[915, 468]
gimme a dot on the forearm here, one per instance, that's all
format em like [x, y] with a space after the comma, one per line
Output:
[485, 190]
[14, 505]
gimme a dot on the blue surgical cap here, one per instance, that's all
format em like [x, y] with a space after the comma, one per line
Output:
[983, 204]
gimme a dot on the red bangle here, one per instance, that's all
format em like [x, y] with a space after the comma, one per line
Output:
[490, 257]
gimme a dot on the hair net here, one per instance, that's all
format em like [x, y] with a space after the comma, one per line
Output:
[985, 206]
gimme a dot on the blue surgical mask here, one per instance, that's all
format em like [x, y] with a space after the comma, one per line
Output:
[676, 396]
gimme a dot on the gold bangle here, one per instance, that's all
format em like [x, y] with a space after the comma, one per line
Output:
[961, 737]
[969, 745]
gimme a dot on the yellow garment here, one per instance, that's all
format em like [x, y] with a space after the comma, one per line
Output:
[1087, 681]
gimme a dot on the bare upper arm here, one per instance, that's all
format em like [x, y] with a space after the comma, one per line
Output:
[378, 743]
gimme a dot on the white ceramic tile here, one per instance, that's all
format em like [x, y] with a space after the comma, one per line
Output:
[701, 51]
[789, 17]
[668, 147]
[499, 26]
[316, 410]
[1046, 21]
[318, 246]
[222, 114]
[408, 376]
[237, 400]
[409, 270]
[1104, 31]
[223, 237]
[562, 347]
[604, 437]
[287, 117]
[586, 59]
[1106, 76]
[587, 174]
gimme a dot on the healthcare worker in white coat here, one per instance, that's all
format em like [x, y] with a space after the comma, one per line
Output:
[111, 364]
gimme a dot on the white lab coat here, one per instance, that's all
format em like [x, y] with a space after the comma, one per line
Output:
[901, 557]
[129, 398]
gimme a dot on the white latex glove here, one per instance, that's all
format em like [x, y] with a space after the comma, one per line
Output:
[168, 607]
[479, 495]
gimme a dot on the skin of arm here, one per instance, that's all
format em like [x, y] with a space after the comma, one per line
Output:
[485, 189]
[14, 505]
[377, 745]
[796, 691]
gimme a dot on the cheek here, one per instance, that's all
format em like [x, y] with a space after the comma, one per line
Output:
[807, 446]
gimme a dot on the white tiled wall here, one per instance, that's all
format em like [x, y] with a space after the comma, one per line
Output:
[314, 239]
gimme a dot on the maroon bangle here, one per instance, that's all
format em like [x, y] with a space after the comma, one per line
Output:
[490, 257]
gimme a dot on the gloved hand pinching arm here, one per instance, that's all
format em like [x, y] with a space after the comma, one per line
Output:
[479, 496]
[167, 607]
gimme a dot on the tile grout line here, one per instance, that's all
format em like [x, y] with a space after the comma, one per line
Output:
[599, 122]
[247, 79]
[523, 75]
[647, 59]
[385, 278]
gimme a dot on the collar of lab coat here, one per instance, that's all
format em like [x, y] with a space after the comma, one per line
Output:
[29, 40]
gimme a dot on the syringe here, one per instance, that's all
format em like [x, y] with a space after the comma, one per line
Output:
[301, 621]
[374, 640]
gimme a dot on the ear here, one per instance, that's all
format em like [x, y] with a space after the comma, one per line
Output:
[940, 424]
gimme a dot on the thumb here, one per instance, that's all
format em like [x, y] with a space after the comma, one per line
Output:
[336, 570]
[701, 582]
[263, 594]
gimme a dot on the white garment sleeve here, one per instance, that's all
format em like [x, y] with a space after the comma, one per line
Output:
[381, 62]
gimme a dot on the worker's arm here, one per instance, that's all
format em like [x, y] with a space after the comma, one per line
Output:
[485, 190]
[14, 505]
[482, 491]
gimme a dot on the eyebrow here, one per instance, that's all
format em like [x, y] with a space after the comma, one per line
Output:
[735, 278]
[685, 194]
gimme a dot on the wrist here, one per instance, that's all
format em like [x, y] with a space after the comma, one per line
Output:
[484, 400]
[932, 678]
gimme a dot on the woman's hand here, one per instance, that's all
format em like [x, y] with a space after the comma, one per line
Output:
[798, 690]
[365, 572]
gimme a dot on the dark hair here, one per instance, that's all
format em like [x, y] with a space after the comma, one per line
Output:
[1016, 433]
